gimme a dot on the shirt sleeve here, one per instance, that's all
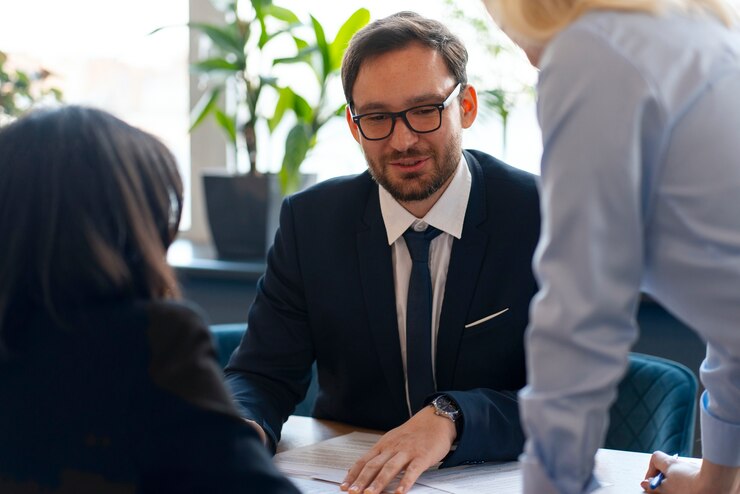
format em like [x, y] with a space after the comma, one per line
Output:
[588, 262]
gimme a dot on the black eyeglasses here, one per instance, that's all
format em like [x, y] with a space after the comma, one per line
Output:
[423, 119]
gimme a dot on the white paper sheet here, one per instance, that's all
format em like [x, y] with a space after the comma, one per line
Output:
[329, 461]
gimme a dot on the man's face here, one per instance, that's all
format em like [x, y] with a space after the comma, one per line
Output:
[409, 165]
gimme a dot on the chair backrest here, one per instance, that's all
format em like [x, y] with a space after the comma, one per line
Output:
[655, 407]
[227, 337]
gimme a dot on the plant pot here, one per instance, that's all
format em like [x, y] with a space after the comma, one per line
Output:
[244, 212]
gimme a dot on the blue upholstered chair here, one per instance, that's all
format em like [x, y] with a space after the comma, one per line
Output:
[655, 407]
[228, 336]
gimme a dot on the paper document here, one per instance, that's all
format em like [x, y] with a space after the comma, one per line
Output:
[337, 453]
[331, 459]
[475, 479]
[619, 472]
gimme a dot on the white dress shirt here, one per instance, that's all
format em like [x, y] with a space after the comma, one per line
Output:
[447, 215]
[640, 188]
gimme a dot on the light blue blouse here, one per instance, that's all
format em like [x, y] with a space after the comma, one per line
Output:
[640, 187]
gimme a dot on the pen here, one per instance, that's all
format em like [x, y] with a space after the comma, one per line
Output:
[658, 479]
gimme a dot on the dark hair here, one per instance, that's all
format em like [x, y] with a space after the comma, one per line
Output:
[396, 32]
[88, 207]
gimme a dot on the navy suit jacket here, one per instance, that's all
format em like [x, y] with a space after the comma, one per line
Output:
[328, 296]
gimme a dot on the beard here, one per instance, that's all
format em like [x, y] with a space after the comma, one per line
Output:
[419, 185]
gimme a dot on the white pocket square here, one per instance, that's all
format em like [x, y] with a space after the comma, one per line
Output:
[487, 318]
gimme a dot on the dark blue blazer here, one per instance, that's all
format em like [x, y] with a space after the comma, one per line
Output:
[328, 296]
[122, 397]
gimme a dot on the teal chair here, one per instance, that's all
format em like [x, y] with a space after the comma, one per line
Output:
[227, 337]
[655, 407]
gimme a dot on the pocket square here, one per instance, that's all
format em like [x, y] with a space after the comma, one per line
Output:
[487, 318]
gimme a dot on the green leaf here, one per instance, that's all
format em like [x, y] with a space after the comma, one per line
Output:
[356, 21]
[203, 107]
[296, 148]
[285, 101]
[300, 43]
[261, 4]
[225, 37]
[323, 48]
[264, 38]
[216, 65]
[226, 122]
[339, 112]
[301, 107]
[301, 57]
[282, 14]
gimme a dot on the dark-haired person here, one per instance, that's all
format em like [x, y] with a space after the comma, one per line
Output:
[639, 109]
[340, 283]
[108, 384]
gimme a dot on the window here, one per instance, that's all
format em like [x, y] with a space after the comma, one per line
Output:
[103, 55]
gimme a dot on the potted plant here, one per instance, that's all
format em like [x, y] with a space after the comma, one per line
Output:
[242, 208]
[20, 90]
[500, 90]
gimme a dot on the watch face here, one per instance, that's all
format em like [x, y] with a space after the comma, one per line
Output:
[445, 406]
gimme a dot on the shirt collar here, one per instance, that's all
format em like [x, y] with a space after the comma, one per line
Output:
[447, 214]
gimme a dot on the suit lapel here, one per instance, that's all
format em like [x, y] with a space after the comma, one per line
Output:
[462, 275]
[376, 271]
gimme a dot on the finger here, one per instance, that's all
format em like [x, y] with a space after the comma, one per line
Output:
[386, 474]
[352, 474]
[355, 469]
[658, 463]
[645, 484]
[368, 473]
[413, 470]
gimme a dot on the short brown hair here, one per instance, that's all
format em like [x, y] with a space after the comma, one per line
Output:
[396, 32]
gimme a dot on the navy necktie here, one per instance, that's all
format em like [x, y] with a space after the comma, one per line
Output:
[419, 318]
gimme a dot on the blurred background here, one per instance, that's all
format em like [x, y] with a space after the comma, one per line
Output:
[104, 54]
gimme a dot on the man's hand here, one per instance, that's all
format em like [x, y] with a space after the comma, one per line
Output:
[423, 441]
[682, 477]
[259, 429]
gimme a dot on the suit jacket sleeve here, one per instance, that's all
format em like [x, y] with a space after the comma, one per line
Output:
[270, 372]
[491, 430]
[191, 439]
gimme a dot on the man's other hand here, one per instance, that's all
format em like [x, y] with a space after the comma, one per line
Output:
[423, 441]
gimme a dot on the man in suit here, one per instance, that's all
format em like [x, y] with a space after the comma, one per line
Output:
[340, 281]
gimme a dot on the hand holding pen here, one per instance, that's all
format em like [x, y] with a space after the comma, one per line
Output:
[658, 479]
[669, 475]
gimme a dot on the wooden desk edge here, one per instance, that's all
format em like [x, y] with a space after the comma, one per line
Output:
[302, 431]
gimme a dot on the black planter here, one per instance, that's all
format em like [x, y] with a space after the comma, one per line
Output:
[237, 207]
[243, 212]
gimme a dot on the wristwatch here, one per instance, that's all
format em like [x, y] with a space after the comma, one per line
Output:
[445, 407]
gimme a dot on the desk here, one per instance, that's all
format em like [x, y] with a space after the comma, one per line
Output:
[622, 469]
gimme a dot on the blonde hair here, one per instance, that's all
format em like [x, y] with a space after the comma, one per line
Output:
[539, 20]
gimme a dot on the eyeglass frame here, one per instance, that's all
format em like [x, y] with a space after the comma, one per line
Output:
[402, 114]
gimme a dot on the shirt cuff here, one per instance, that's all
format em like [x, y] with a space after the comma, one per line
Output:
[720, 440]
[536, 481]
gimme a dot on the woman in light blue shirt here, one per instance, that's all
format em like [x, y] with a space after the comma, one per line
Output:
[639, 105]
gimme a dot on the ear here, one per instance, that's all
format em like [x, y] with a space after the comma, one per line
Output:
[469, 106]
[351, 123]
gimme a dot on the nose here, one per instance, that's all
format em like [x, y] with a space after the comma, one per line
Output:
[402, 137]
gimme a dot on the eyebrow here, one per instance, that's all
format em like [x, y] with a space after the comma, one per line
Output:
[376, 106]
